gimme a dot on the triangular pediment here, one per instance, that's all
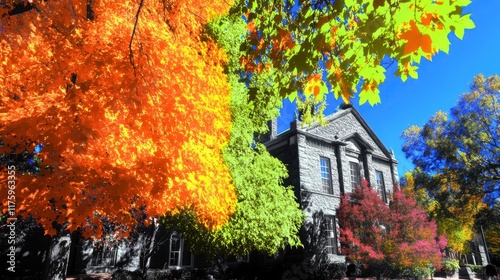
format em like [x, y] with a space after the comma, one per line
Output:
[358, 143]
[347, 125]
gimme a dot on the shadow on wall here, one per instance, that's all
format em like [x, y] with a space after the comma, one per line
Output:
[314, 262]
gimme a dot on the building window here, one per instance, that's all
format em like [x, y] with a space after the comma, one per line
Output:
[103, 255]
[326, 180]
[330, 235]
[381, 186]
[179, 256]
[355, 180]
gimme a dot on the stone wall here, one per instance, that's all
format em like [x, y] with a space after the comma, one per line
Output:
[350, 141]
[346, 138]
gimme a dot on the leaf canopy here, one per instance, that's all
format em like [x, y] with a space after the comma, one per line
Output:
[346, 45]
[130, 103]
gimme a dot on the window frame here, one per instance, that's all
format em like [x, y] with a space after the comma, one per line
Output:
[330, 233]
[326, 170]
[356, 181]
[104, 255]
[381, 185]
[176, 258]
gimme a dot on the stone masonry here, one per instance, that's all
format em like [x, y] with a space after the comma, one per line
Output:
[345, 141]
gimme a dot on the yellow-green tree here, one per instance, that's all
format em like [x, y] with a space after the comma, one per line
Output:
[311, 48]
[257, 176]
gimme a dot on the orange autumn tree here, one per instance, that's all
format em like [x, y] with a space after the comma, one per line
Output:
[130, 103]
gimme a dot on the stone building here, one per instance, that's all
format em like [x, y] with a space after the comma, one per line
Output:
[327, 161]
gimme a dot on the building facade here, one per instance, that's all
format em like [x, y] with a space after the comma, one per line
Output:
[168, 250]
[326, 161]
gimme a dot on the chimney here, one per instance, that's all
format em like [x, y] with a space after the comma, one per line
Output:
[272, 133]
[273, 128]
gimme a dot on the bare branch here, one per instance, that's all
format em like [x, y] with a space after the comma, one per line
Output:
[20, 8]
[131, 53]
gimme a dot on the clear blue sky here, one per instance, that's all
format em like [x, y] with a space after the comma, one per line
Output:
[438, 87]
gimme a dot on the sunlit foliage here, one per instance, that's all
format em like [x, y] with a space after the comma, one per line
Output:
[307, 49]
[457, 159]
[453, 211]
[267, 215]
[130, 103]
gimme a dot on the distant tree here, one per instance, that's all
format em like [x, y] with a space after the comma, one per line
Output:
[454, 212]
[398, 236]
[462, 146]
[457, 160]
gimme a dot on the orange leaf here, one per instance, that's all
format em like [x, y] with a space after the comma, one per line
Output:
[426, 43]
[251, 26]
[316, 90]
[415, 40]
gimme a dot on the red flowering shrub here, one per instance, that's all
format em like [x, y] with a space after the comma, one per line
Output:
[398, 236]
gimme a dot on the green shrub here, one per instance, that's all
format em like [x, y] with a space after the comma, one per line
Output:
[450, 266]
[476, 268]
[417, 273]
[126, 275]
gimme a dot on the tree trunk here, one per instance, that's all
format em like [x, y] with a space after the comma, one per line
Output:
[149, 249]
[56, 263]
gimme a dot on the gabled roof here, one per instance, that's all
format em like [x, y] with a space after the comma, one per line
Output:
[349, 109]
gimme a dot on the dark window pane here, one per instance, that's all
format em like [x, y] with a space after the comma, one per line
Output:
[381, 186]
[354, 175]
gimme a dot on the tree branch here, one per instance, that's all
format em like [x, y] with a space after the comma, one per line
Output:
[131, 53]
[20, 8]
[90, 10]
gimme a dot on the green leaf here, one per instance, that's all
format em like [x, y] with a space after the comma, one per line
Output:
[467, 22]
[459, 32]
[292, 96]
[413, 73]
[325, 28]
[442, 43]
[463, 23]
